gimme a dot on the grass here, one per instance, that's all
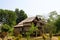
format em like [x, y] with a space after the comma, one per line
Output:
[58, 37]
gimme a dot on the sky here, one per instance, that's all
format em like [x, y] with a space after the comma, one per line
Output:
[32, 7]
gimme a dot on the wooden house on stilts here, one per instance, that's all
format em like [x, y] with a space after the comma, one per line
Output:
[25, 25]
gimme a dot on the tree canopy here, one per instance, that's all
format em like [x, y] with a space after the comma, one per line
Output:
[8, 17]
[57, 24]
[50, 25]
[21, 15]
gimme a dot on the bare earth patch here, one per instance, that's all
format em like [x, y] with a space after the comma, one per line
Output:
[54, 38]
[0, 39]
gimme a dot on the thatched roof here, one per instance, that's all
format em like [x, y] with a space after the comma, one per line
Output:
[30, 19]
[26, 20]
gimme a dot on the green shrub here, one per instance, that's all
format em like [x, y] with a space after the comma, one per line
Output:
[18, 37]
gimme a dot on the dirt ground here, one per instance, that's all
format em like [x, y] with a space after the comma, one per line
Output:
[36, 38]
[54, 38]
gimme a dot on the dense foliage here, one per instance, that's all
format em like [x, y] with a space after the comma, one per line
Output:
[5, 28]
[57, 24]
[8, 17]
[21, 15]
[50, 25]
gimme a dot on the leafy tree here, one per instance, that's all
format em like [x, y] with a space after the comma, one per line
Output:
[8, 17]
[21, 15]
[50, 27]
[50, 24]
[52, 16]
[57, 24]
[5, 28]
[55, 20]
